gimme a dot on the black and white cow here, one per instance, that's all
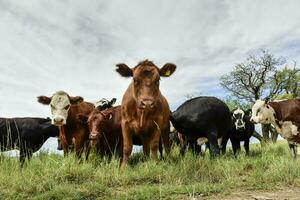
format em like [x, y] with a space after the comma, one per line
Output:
[104, 104]
[200, 117]
[241, 130]
[26, 134]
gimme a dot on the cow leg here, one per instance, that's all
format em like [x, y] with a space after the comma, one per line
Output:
[154, 145]
[196, 149]
[87, 151]
[24, 152]
[160, 148]
[293, 148]
[224, 143]
[183, 143]
[234, 145]
[127, 144]
[166, 141]
[80, 142]
[246, 146]
[146, 147]
[213, 142]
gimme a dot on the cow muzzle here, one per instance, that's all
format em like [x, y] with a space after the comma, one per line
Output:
[94, 136]
[147, 104]
[59, 121]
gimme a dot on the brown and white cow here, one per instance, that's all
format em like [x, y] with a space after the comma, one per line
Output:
[64, 109]
[283, 115]
[145, 111]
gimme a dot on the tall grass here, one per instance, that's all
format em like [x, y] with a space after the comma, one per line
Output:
[55, 177]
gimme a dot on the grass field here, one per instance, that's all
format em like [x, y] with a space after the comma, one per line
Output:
[56, 177]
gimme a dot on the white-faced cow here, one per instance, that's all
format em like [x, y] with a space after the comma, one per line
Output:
[283, 115]
[145, 111]
[241, 130]
[64, 109]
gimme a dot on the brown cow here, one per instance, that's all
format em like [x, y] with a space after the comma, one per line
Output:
[283, 115]
[145, 111]
[105, 130]
[64, 111]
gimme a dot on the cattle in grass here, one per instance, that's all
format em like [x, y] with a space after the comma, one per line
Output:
[144, 110]
[105, 130]
[99, 105]
[202, 117]
[241, 130]
[64, 109]
[283, 115]
[26, 134]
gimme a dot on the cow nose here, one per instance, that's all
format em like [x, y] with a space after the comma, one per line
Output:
[93, 135]
[147, 104]
[58, 120]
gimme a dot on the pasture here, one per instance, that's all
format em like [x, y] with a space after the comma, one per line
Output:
[267, 169]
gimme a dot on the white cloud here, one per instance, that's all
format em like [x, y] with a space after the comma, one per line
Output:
[74, 45]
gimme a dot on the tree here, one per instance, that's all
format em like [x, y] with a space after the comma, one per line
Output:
[259, 77]
[251, 79]
[291, 87]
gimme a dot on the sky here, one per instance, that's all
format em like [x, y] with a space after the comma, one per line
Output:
[46, 46]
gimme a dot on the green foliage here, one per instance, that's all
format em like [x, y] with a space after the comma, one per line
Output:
[56, 177]
[235, 103]
[291, 82]
[252, 79]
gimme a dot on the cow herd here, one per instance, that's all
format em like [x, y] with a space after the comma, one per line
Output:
[143, 118]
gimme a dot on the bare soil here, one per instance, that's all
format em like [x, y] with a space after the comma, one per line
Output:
[287, 193]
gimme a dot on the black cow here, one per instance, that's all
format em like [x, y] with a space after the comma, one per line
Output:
[241, 130]
[199, 117]
[26, 134]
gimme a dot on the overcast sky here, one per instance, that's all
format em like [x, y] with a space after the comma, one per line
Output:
[47, 46]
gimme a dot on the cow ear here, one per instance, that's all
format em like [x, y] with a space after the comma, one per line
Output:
[109, 116]
[82, 118]
[112, 101]
[267, 100]
[75, 100]
[124, 70]
[44, 100]
[167, 70]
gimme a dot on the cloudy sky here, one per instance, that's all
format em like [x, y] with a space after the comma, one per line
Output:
[47, 46]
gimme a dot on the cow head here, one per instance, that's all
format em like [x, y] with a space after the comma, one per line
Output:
[238, 119]
[145, 83]
[262, 113]
[96, 121]
[104, 103]
[60, 103]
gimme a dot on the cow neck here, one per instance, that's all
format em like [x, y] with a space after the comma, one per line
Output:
[277, 113]
[143, 115]
[62, 134]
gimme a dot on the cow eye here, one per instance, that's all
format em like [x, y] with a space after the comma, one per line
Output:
[52, 107]
[67, 107]
[135, 82]
[257, 112]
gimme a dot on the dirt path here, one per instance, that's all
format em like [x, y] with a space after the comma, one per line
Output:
[292, 193]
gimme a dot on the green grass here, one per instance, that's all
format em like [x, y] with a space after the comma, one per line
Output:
[176, 177]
